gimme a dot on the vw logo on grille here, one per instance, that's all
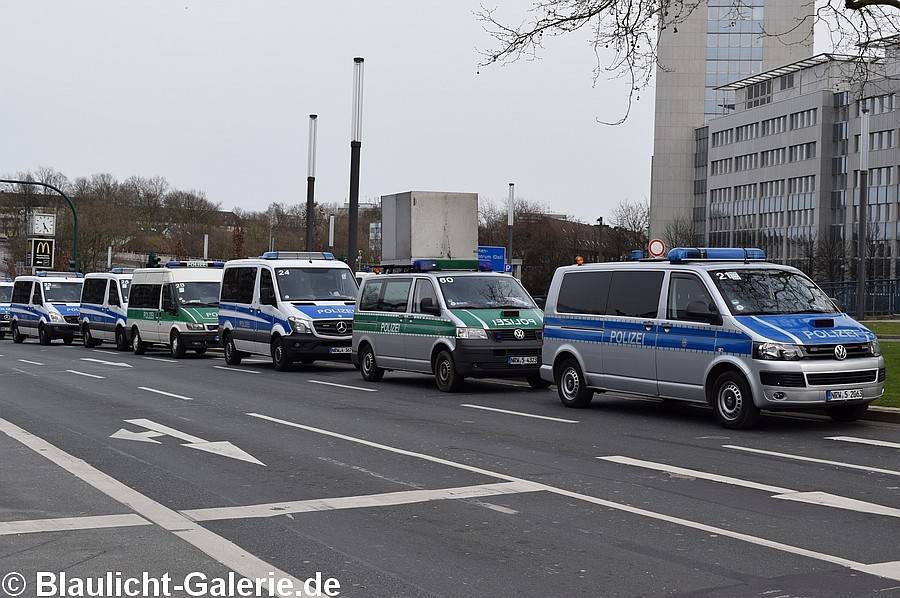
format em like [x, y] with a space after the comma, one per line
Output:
[341, 327]
[840, 352]
[519, 334]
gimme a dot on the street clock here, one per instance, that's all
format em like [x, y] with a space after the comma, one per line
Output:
[43, 224]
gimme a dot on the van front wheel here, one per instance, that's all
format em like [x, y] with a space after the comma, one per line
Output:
[279, 356]
[571, 385]
[733, 402]
[448, 380]
[43, 335]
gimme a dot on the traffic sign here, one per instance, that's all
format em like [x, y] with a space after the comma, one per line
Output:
[656, 248]
[497, 255]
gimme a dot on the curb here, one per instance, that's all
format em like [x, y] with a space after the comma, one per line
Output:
[882, 414]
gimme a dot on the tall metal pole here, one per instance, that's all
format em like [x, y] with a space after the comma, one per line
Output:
[509, 222]
[71, 205]
[863, 208]
[311, 183]
[355, 147]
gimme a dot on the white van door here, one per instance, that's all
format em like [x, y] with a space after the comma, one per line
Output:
[266, 314]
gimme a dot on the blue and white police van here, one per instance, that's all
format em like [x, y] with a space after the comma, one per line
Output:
[103, 314]
[6, 286]
[717, 325]
[46, 305]
[292, 306]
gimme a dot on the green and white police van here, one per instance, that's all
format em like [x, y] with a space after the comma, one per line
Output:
[434, 317]
[176, 306]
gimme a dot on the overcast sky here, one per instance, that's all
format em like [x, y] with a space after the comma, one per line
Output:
[215, 96]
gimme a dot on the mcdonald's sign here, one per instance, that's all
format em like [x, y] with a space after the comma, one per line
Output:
[41, 253]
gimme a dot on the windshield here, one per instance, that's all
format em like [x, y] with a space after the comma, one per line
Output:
[5, 294]
[62, 292]
[197, 294]
[765, 292]
[124, 284]
[316, 284]
[480, 292]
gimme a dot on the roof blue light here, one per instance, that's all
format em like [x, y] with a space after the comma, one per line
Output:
[682, 254]
[297, 255]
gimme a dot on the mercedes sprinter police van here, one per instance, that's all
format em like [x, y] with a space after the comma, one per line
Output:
[6, 287]
[435, 318]
[46, 305]
[290, 305]
[719, 326]
[104, 308]
[176, 306]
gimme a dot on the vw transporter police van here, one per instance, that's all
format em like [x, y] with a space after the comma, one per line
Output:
[435, 318]
[718, 326]
[292, 306]
[104, 308]
[6, 287]
[46, 305]
[176, 306]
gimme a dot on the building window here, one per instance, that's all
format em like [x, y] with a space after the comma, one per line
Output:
[722, 137]
[803, 151]
[774, 126]
[745, 162]
[747, 132]
[759, 94]
[772, 157]
[881, 140]
[786, 81]
[802, 184]
[803, 119]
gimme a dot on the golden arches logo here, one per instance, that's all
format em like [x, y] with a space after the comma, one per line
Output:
[42, 247]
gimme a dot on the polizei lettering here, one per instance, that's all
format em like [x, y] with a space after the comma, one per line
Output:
[845, 333]
[386, 327]
[514, 322]
[622, 337]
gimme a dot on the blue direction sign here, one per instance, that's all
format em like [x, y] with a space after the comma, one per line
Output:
[497, 255]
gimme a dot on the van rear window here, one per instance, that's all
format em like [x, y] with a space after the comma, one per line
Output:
[634, 294]
[584, 293]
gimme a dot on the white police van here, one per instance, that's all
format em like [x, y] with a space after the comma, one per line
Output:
[6, 286]
[103, 314]
[719, 326]
[46, 305]
[292, 306]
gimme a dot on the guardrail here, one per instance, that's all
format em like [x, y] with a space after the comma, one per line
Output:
[882, 296]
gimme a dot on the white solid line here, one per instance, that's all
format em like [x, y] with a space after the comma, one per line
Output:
[105, 352]
[84, 374]
[31, 362]
[555, 419]
[232, 369]
[813, 460]
[355, 502]
[222, 550]
[343, 386]
[886, 570]
[161, 359]
[104, 362]
[840, 502]
[696, 474]
[865, 441]
[162, 392]
[64, 524]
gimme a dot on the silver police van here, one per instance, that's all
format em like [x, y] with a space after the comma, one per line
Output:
[718, 326]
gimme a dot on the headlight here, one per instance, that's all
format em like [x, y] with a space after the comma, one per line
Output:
[55, 317]
[776, 351]
[471, 333]
[875, 348]
[193, 326]
[299, 326]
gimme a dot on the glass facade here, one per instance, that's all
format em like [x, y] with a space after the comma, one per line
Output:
[734, 49]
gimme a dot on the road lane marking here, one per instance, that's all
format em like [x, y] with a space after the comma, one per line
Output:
[840, 502]
[555, 419]
[221, 549]
[889, 570]
[220, 447]
[162, 359]
[105, 352]
[85, 374]
[343, 385]
[104, 362]
[31, 362]
[233, 369]
[696, 474]
[65, 524]
[164, 393]
[865, 441]
[813, 460]
[356, 502]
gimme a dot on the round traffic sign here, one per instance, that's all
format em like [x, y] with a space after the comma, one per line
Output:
[656, 248]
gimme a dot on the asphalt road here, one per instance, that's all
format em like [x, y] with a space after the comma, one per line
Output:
[117, 466]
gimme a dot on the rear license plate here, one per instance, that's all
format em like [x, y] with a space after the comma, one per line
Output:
[844, 395]
[526, 360]
[339, 349]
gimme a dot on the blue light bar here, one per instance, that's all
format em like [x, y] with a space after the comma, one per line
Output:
[424, 265]
[485, 266]
[119, 270]
[297, 255]
[742, 254]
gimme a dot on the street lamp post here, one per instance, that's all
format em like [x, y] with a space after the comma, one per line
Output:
[509, 221]
[355, 148]
[311, 183]
[863, 207]
[600, 239]
[71, 205]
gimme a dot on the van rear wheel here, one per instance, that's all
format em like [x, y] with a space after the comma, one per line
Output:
[368, 368]
[121, 340]
[18, 337]
[87, 339]
[232, 355]
[138, 347]
[733, 402]
[572, 386]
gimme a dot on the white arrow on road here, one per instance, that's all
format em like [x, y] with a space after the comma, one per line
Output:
[116, 363]
[155, 430]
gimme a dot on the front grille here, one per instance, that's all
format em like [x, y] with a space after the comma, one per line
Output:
[71, 319]
[833, 378]
[794, 379]
[330, 327]
[827, 351]
[510, 335]
[517, 353]
[881, 374]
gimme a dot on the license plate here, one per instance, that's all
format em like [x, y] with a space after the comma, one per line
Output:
[339, 349]
[527, 360]
[844, 395]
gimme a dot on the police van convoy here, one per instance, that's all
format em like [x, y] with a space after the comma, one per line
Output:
[292, 306]
[435, 318]
[718, 326]
[176, 306]
[46, 305]
[6, 286]
[104, 308]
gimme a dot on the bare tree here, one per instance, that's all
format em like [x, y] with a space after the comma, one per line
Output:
[681, 232]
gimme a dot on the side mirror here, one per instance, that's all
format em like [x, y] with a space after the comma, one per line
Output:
[267, 297]
[699, 311]
[428, 307]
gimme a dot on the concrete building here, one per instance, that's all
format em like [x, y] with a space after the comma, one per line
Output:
[718, 44]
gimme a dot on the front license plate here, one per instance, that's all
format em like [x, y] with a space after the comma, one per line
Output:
[526, 360]
[339, 349]
[844, 395]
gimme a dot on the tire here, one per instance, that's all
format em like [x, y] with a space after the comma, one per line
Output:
[232, 355]
[138, 347]
[732, 402]
[121, 339]
[44, 336]
[537, 383]
[368, 367]
[846, 413]
[572, 385]
[177, 346]
[87, 339]
[448, 380]
[2, 335]
[279, 356]
[200, 351]
[67, 340]
[18, 337]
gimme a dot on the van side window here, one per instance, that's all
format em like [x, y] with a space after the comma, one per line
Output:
[266, 284]
[237, 285]
[168, 297]
[36, 297]
[21, 291]
[93, 291]
[396, 295]
[584, 293]
[634, 294]
[424, 289]
[145, 296]
[683, 289]
[112, 297]
[369, 300]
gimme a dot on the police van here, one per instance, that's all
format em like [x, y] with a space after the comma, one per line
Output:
[292, 306]
[176, 306]
[104, 308]
[712, 325]
[46, 305]
[436, 318]
[6, 286]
